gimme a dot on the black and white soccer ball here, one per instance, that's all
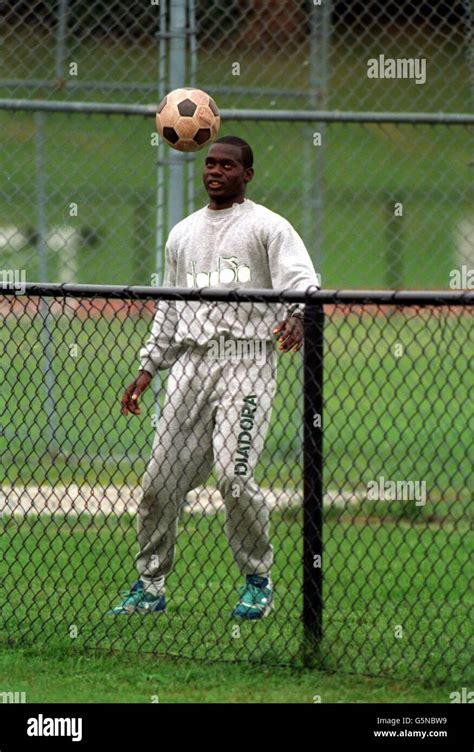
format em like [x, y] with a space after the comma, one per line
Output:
[188, 119]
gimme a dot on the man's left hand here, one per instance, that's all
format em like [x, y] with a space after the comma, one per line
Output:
[290, 334]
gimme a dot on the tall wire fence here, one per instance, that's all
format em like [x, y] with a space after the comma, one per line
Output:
[361, 118]
[360, 462]
[324, 48]
[85, 199]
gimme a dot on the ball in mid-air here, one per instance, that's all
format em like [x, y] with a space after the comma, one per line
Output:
[188, 119]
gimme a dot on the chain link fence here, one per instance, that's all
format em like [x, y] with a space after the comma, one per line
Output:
[96, 221]
[84, 196]
[359, 505]
[251, 53]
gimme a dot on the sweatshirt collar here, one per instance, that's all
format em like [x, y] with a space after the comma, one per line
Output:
[216, 214]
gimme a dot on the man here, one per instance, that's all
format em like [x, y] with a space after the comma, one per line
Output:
[217, 409]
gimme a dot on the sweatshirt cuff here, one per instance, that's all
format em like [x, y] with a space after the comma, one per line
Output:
[147, 365]
[296, 310]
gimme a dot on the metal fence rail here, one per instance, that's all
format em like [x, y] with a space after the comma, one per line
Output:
[304, 116]
[361, 457]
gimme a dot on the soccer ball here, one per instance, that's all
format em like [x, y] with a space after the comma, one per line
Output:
[188, 119]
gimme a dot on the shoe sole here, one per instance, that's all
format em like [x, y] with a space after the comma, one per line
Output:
[141, 611]
[135, 611]
[256, 617]
[149, 612]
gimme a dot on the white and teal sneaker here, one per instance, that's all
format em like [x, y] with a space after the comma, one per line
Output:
[256, 598]
[137, 601]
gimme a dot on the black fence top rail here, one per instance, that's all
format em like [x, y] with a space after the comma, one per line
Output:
[310, 296]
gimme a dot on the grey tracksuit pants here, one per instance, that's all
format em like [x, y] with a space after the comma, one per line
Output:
[216, 415]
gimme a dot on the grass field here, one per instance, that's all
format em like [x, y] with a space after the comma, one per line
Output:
[378, 575]
[107, 166]
[57, 675]
[64, 573]
[387, 564]
[110, 176]
[402, 417]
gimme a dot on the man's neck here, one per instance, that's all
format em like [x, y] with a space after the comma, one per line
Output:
[215, 207]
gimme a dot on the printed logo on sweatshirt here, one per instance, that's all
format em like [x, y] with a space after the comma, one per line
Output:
[245, 437]
[228, 270]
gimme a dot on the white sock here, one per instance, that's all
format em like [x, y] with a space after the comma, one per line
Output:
[154, 587]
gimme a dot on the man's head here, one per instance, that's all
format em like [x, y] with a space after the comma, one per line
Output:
[227, 170]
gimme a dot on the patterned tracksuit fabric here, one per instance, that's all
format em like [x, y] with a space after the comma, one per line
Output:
[215, 415]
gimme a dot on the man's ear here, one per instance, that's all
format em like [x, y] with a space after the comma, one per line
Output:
[248, 175]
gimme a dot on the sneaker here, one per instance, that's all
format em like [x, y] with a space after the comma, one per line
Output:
[256, 598]
[137, 601]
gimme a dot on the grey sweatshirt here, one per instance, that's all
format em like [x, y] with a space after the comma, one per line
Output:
[245, 246]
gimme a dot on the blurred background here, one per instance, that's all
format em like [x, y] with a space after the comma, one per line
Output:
[89, 197]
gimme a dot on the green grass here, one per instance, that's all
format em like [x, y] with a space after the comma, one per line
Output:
[401, 417]
[58, 675]
[110, 176]
[446, 88]
[385, 566]
[61, 575]
[107, 167]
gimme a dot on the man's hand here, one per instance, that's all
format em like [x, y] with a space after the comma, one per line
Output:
[132, 393]
[290, 334]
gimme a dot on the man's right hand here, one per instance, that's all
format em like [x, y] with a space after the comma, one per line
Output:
[132, 393]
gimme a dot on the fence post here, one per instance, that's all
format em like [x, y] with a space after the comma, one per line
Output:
[51, 427]
[313, 481]
[319, 39]
[193, 60]
[177, 78]
[61, 41]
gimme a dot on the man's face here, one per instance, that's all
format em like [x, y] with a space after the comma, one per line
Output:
[225, 176]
